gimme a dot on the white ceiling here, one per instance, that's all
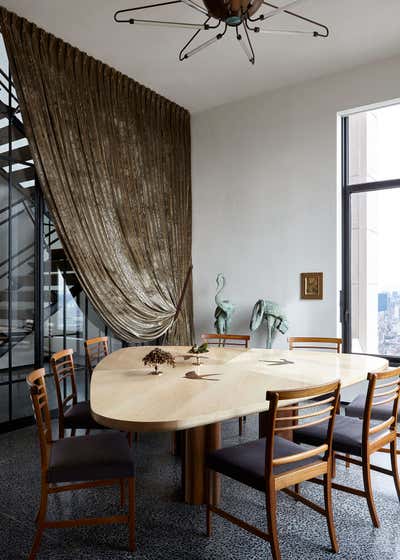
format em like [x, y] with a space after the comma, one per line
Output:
[361, 31]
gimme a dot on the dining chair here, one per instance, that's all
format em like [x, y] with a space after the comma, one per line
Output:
[275, 463]
[222, 341]
[356, 409]
[77, 463]
[314, 343]
[95, 350]
[356, 440]
[72, 414]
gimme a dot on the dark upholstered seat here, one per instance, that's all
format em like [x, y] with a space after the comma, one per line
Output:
[347, 435]
[78, 416]
[246, 462]
[357, 406]
[95, 457]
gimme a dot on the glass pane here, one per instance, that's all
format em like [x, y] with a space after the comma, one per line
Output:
[22, 280]
[21, 401]
[3, 403]
[374, 138]
[375, 275]
[4, 214]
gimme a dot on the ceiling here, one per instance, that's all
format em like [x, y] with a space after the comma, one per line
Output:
[362, 31]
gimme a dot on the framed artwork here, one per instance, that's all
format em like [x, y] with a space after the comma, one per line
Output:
[311, 285]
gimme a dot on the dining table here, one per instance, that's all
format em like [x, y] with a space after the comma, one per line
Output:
[199, 393]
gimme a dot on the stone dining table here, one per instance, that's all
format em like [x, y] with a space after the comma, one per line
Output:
[196, 399]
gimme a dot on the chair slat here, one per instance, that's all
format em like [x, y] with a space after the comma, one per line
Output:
[302, 416]
[300, 456]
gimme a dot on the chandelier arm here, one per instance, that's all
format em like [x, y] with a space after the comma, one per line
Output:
[247, 48]
[298, 16]
[253, 56]
[184, 55]
[277, 10]
[160, 23]
[279, 31]
[195, 6]
[116, 14]
[181, 56]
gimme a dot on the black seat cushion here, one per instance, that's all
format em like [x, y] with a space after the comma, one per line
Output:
[78, 416]
[347, 435]
[357, 406]
[93, 457]
[246, 462]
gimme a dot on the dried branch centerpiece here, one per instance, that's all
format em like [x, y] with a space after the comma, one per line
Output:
[156, 358]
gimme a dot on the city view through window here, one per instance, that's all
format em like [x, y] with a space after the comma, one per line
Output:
[374, 142]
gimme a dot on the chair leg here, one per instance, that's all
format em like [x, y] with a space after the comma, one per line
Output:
[347, 462]
[329, 512]
[240, 425]
[73, 432]
[333, 466]
[270, 502]
[131, 521]
[40, 521]
[87, 432]
[136, 437]
[368, 490]
[395, 471]
[210, 494]
[122, 491]
[129, 435]
[297, 490]
[61, 430]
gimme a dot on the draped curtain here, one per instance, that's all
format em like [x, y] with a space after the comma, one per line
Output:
[113, 160]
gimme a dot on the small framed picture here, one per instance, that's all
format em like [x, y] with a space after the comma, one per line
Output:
[312, 285]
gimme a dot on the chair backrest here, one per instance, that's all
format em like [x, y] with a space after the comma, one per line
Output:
[315, 343]
[40, 403]
[304, 412]
[223, 340]
[95, 349]
[383, 389]
[62, 367]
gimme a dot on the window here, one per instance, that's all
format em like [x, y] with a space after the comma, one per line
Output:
[371, 231]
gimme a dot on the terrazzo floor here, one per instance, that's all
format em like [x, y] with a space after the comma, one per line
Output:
[168, 529]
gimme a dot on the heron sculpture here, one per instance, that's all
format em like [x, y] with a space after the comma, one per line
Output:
[276, 321]
[225, 308]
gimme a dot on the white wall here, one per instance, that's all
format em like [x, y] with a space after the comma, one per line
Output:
[265, 196]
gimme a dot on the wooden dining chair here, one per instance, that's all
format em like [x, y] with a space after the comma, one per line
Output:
[72, 414]
[228, 340]
[223, 340]
[356, 409]
[314, 343]
[77, 463]
[275, 463]
[95, 350]
[356, 440]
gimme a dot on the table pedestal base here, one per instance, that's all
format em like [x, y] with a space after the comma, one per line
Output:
[197, 443]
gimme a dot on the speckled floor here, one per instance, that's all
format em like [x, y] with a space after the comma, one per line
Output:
[167, 529]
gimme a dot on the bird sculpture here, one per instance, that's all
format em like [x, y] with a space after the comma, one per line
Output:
[224, 310]
[269, 311]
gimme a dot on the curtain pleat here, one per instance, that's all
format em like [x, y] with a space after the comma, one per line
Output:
[113, 160]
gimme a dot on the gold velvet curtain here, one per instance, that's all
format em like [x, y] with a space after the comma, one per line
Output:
[113, 160]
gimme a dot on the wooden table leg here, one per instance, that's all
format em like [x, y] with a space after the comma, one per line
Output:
[198, 442]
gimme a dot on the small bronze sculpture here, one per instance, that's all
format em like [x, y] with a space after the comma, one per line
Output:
[157, 357]
[276, 321]
[225, 308]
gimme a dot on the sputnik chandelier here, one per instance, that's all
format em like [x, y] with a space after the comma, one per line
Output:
[241, 15]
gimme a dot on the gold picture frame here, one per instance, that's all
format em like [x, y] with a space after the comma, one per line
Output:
[311, 285]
